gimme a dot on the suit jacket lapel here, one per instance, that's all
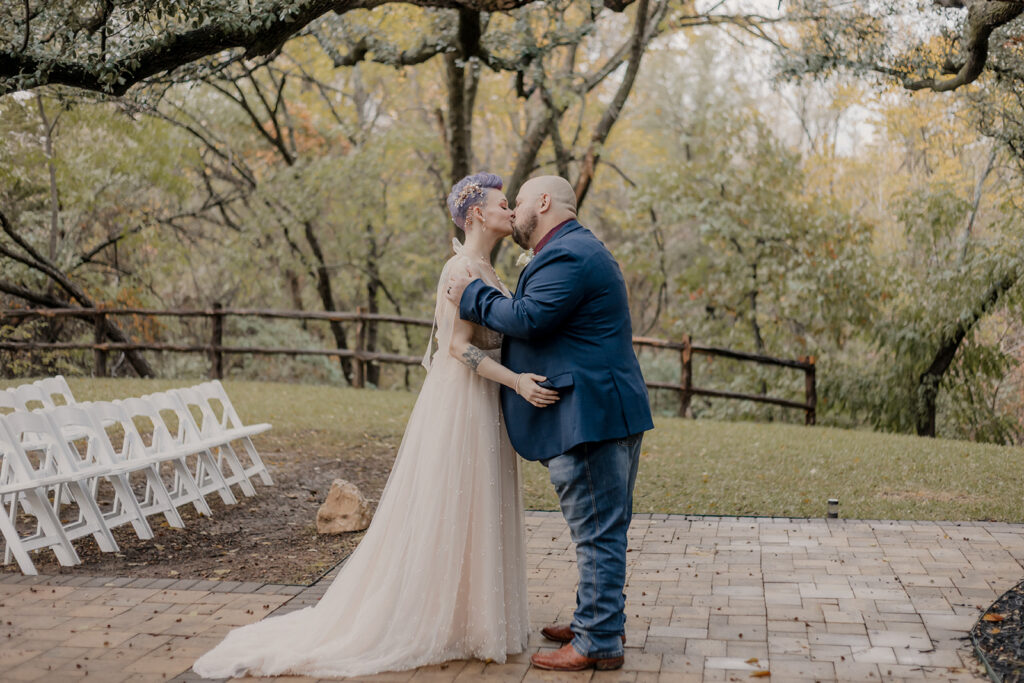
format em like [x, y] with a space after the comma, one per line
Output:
[572, 226]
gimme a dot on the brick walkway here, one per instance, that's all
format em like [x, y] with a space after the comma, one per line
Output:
[710, 598]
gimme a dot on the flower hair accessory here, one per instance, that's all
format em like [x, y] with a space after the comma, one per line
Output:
[525, 257]
[467, 192]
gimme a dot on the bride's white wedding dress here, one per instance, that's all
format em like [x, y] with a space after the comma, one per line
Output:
[440, 574]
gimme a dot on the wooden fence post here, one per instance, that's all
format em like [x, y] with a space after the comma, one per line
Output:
[216, 342]
[811, 391]
[686, 378]
[99, 355]
[359, 370]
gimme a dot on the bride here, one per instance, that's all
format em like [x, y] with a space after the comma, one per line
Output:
[440, 574]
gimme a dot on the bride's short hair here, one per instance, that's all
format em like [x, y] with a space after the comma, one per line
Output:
[469, 192]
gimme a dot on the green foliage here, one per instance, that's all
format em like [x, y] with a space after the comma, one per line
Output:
[15, 364]
[751, 257]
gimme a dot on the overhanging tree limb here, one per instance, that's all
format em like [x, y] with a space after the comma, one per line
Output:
[983, 17]
[257, 29]
[867, 39]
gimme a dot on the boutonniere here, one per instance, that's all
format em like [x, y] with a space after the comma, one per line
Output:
[525, 257]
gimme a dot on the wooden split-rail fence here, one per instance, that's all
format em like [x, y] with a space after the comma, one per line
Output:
[216, 349]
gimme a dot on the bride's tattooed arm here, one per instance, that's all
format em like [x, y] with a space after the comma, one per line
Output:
[525, 384]
[472, 356]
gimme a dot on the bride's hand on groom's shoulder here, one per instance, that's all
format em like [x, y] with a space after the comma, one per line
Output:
[527, 386]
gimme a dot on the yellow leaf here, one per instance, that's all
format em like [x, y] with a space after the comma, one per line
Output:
[752, 660]
[761, 674]
[992, 616]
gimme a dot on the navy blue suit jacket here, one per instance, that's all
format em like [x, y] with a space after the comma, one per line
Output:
[569, 321]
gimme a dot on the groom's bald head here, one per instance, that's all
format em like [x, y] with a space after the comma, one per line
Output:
[563, 197]
[542, 203]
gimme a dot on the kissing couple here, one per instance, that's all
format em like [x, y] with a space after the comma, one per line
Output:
[548, 372]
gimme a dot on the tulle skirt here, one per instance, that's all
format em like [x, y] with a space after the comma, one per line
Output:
[439, 575]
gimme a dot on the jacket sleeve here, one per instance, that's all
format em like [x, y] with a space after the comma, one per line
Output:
[549, 296]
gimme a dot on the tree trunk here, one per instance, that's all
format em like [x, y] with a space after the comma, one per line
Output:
[755, 327]
[48, 128]
[462, 76]
[373, 284]
[323, 288]
[930, 379]
[529, 148]
[589, 164]
[295, 289]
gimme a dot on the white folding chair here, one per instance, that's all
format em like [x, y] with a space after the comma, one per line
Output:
[91, 457]
[56, 388]
[7, 403]
[45, 452]
[230, 423]
[23, 489]
[215, 438]
[132, 458]
[146, 422]
[39, 395]
[29, 397]
[208, 465]
[204, 467]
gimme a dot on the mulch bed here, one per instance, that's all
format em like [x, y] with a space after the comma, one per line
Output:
[270, 537]
[998, 637]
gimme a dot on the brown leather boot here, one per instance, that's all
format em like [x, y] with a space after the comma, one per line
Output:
[562, 633]
[567, 659]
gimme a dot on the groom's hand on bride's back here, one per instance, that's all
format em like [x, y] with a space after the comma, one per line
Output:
[457, 283]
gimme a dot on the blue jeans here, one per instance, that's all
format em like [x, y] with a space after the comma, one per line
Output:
[594, 482]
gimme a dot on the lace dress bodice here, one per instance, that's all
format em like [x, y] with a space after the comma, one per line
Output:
[486, 338]
[483, 337]
[446, 312]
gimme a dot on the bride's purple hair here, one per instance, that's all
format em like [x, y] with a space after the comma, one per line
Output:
[469, 192]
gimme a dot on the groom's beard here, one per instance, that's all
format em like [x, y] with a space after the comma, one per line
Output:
[523, 230]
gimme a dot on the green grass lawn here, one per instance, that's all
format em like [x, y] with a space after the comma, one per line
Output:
[687, 466]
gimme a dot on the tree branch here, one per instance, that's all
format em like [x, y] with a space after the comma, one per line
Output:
[110, 329]
[983, 17]
[258, 31]
[639, 42]
[91, 254]
[36, 298]
[929, 380]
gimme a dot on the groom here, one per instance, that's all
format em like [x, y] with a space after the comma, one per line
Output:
[569, 321]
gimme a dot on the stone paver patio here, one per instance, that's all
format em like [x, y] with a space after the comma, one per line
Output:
[710, 599]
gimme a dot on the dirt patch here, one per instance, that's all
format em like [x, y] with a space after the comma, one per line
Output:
[270, 537]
